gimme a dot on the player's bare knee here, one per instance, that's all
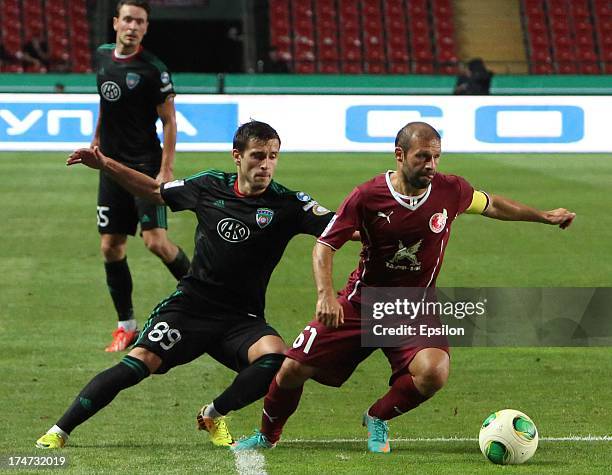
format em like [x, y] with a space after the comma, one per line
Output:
[161, 247]
[431, 378]
[150, 359]
[113, 247]
[156, 246]
[266, 345]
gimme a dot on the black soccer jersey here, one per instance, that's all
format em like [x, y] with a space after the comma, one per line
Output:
[239, 239]
[130, 90]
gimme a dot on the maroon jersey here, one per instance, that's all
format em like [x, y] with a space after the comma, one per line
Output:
[403, 238]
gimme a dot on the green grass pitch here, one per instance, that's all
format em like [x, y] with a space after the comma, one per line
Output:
[56, 317]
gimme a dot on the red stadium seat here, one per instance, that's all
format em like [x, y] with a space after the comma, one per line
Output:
[423, 67]
[567, 68]
[542, 68]
[351, 67]
[376, 67]
[305, 67]
[329, 67]
[564, 54]
[590, 68]
[450, 69]
[399, 68]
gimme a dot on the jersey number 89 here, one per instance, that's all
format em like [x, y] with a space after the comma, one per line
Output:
[161, 330]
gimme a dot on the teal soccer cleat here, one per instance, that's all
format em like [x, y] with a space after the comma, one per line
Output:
[378, 434]
[255, 442]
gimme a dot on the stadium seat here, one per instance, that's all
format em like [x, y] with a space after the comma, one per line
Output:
[399, 68]
[542, 68]
[351, 67]
[305, 67]
[329, 67]
[423, 67]
[590, 68]
[567, 67]
[375, 67]
[450, 69]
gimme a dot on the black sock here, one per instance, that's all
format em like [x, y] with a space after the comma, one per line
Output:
[101, 390]
[179, 266]
[119, 281]
[251, 384]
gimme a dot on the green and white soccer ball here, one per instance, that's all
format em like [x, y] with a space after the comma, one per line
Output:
[508, 437]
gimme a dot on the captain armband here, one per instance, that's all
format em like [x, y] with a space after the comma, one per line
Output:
[480, 202]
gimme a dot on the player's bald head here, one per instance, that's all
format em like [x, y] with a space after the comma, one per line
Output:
[415, 130]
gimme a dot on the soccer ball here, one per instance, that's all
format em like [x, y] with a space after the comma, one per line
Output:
[508, 437]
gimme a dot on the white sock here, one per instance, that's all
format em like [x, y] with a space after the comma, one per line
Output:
[211, 412]
[57, 430]
[128, 325]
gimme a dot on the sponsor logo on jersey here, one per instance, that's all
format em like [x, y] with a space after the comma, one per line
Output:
[437, 222]
[263, 217]
[405, 258]
[380, 214]
[219, 203]
[165, 77]
[132, 80]
[232, 230]
[145, 219]
[303, 196]
[172, 184]
[110, 91]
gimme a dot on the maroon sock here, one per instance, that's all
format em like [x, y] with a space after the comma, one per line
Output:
[279, 404]
[402, 397]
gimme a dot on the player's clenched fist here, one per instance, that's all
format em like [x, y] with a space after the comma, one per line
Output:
[560, 216]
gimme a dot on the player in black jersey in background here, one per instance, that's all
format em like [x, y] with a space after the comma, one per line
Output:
[135, 89]
[245, 221]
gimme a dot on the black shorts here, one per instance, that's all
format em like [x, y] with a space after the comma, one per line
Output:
[179, 331]
[119, 212]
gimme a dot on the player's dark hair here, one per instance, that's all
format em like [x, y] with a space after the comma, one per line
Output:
[144, 4]
[405, 135]
[253, 130]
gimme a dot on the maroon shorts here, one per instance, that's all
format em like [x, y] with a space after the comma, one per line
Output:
[336, 352]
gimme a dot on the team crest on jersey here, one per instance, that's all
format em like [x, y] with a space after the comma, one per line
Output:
[233, 230]
[405, 257]
[263, 217]
[110, 91]
[132, 80]
[437, 222]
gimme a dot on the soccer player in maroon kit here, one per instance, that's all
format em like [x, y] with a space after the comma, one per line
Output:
[404, 218]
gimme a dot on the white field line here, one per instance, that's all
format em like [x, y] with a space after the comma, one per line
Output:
[250, 462]
[570, 438]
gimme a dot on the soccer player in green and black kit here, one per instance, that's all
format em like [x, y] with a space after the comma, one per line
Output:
[245, 221]
[135, 89]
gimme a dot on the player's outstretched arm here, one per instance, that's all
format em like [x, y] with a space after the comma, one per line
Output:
[329, 312]
[135, 182]
[509, 210]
